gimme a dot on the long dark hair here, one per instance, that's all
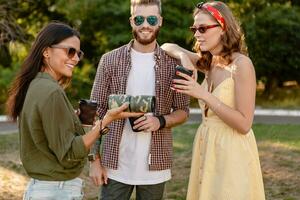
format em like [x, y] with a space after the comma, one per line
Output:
[51, 34]
[232, 40]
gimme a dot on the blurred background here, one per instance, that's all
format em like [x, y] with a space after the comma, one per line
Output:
[271, 29]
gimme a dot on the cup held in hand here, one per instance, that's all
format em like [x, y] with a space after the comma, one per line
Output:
[131, 120]
[88, 109]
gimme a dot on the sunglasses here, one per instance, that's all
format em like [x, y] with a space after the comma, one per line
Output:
[199, 5]
[139, 20]
[202, 29]
[71, 51]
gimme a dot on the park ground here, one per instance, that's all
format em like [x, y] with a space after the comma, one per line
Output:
[278, 145]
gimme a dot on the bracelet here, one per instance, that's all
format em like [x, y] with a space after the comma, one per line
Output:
[104, 130]
[162, 121]
[218, 106]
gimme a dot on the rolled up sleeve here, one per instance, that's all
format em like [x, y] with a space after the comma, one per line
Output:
[181, 102]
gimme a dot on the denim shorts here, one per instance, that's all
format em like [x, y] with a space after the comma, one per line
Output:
[54, 190]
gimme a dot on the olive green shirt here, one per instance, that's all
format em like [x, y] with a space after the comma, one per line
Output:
[51, 145]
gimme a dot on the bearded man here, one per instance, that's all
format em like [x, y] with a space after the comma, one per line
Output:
[139, 159]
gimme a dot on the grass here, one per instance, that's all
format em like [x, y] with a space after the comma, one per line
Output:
[279, 149]
[288, 135]
[287, 98]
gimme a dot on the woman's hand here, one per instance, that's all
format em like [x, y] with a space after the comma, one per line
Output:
[119, 113]
[98, 173]
[190, 86]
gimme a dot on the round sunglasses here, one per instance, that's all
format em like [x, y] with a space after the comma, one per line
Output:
[71, 51]
[202, 29]
[139, 20]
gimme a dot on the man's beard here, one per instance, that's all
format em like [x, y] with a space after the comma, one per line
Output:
[145, 41]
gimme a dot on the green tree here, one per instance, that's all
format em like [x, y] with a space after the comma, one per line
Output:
[19, 23]
[9, 31]
[103, 24]
[20, 20]
[273, 40]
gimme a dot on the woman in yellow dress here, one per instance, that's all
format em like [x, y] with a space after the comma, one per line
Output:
[225, 163]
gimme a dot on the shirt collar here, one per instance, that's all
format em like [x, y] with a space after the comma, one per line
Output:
[158, 52]
[46, 76]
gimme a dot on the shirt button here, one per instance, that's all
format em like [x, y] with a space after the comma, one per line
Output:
[157, 81]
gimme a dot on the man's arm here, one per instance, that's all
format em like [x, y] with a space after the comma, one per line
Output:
[152, 123]
[100, 92]
[175, 118]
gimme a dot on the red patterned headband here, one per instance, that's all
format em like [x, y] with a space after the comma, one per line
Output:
[214, 12]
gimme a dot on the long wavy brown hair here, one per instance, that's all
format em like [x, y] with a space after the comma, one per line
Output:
[232, 40]
[53, 33]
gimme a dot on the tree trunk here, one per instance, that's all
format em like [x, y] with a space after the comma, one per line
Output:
[5, 57]
[270, 87]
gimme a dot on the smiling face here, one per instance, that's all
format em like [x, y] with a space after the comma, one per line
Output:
[58, 63]
[145, 33]
[210, 40]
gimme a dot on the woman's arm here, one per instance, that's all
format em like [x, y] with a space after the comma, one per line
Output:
[111, 115]
[187, 57]
[240, 117]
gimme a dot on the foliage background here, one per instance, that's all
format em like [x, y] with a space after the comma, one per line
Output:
[271, 30]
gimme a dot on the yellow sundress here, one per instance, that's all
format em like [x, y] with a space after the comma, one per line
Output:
[225, 164]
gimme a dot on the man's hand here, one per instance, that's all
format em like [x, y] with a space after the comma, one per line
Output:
[98, 173]
[147, 123]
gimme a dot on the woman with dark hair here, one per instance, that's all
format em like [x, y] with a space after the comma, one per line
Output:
[225, 162]
[53, 144]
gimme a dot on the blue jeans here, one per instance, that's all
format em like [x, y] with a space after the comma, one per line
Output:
[54, 190]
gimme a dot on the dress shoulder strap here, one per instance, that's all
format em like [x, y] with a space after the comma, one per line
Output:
[232, 68]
